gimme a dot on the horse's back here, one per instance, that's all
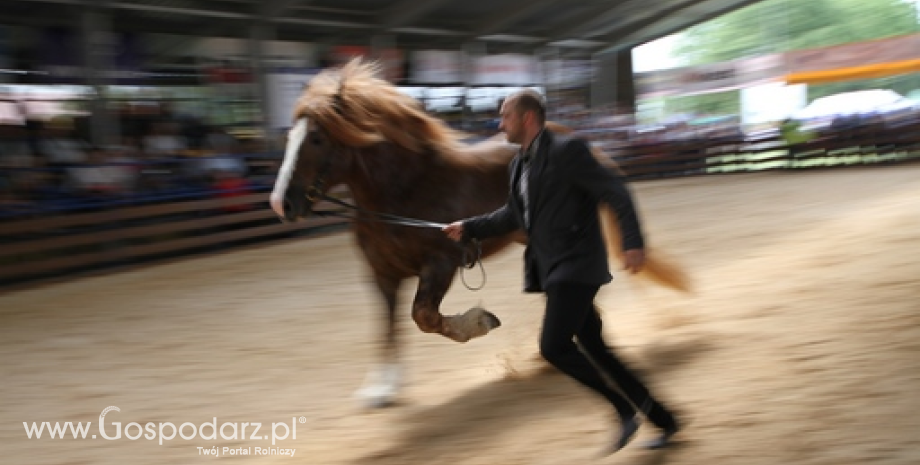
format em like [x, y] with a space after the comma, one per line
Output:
[489, 153]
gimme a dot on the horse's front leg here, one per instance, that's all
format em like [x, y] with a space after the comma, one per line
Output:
[434, 281]
[383, 382]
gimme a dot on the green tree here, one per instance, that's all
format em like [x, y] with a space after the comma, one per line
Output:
[774, 26]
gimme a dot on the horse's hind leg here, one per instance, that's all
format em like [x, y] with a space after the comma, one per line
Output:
[434, 281]
[382, 384]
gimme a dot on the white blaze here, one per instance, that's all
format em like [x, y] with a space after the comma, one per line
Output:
[295, 139]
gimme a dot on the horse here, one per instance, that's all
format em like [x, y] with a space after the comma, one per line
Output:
[355, 129]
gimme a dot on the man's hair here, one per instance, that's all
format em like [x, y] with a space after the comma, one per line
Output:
[529, 100]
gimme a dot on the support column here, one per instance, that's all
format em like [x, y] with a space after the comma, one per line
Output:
[471, 51]
[625, 98]
[97, 64]
[613, 82]
[383, 49]
[547, 76]
[260, 33]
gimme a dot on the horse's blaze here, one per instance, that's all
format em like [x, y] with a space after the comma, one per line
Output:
[295, 140]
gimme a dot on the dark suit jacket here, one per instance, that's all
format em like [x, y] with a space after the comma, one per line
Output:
[565, 242]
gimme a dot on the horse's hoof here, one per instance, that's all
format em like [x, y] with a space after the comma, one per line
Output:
[487, 319]
[371, 402]
[381, 387]
[492, 321]
[376, 397]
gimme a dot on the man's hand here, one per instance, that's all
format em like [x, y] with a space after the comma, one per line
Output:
[633, 260]
[454, 230]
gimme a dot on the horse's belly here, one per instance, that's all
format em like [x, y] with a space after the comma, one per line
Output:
[391, 255]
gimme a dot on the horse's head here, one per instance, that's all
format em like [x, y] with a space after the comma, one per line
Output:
[311, 166]
[341, 113]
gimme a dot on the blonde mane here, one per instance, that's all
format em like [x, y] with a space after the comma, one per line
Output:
[359, 109]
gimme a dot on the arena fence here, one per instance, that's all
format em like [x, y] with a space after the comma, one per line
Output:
[43, 247]
[50, 245]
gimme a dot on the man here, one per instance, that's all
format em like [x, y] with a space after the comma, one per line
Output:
[556, 185]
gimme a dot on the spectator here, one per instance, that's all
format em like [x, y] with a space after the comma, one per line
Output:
[220, 142]
[15, 151]
[165, 141]
[229, 184]
[58, 145]
[102, 176]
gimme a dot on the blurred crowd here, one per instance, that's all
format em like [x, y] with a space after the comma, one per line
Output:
[49, 165]
[613, 129]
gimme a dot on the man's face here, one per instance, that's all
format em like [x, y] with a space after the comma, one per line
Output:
[512, 123]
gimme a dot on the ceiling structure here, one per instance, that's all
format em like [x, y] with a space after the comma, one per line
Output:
[568, 27]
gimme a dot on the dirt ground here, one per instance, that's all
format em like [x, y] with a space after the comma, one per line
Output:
[801, 345]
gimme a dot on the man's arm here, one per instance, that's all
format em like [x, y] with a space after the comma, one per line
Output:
[501, 221]
[606, 186]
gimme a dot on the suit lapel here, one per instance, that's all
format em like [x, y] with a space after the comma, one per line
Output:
[517, 169]
[537, 167]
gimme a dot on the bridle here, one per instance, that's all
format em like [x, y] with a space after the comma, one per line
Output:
[316, 192]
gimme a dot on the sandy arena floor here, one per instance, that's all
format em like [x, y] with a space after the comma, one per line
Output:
[802, 345]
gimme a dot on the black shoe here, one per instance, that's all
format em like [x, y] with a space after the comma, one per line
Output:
[628, 429]
[663, 440]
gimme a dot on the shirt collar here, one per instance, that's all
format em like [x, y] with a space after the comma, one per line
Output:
[531, 151]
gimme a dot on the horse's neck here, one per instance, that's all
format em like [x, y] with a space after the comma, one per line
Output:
[382, 174]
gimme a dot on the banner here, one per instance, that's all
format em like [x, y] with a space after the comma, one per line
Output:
[859, 60]
[284, 89]
[236, 55]
[715, 77]
[506, 69]
[339, 55]
[892, 49]
[854, 73]
[437, 67]
[567, 74]
[392, 61]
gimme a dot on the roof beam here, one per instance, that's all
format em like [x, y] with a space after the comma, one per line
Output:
[511, 14]
[275, 8]
[638, 22]
[192, 12]
[407, 11]
[629, 37]
[602, 23]
[572, 28]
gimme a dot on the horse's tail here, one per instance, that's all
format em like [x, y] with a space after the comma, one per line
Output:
[658, 267]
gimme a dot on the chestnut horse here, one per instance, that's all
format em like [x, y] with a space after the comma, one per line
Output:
[355, 129]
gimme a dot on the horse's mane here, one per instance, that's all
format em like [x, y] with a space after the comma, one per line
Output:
[359, 109]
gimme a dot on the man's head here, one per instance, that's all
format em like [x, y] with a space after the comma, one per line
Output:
[523, 116]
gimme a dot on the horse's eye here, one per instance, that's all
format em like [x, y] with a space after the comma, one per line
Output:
[316, 140]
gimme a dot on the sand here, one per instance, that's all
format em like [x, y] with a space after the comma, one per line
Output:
[800, 346]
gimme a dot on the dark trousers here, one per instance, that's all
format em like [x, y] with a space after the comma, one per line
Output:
[570, 314]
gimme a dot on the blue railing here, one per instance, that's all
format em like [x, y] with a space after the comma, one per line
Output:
[157, 181]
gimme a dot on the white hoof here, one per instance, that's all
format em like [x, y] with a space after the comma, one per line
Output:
[381, 387]
[475, 322]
